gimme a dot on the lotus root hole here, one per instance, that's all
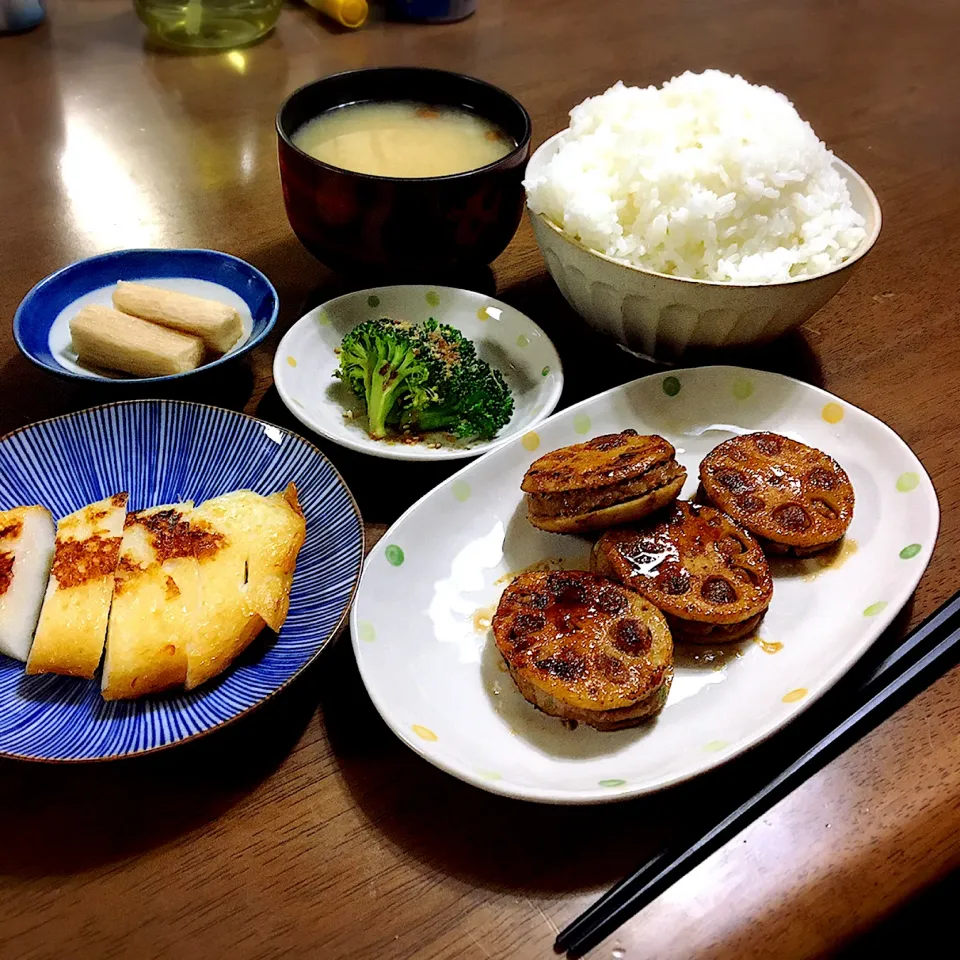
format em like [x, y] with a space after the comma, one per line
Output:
[791, 517]
[734, 481]
[822, 478]
[633, 637]
[674, 582]
[718, 590]
[611, 600]
[769, 445]
[749, 502]
[731, 545]
[825, 509]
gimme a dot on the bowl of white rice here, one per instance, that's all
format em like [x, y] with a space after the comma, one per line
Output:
[703, 213]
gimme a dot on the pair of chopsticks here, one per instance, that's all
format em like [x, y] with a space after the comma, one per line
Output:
[925, 655]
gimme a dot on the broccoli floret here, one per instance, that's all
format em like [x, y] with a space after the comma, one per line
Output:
[472, 400]
[387, 366]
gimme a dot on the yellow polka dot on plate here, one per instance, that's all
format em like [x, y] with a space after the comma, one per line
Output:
[714, 746]
[489, 774]
[794, 695]
[742, 389]
[424, 733]
[324, 319]
[292, 361]
[832, 412]
[482, 314]
[523, 341]
[581, 423]
[366, 632]
[461, 490]
[433, 298]
[875, 608]
[531, 441]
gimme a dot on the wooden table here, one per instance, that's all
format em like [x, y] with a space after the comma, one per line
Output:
[307, 830]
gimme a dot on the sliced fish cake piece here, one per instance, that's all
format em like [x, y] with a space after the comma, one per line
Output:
[27, 537]
[237, 585]
[269, 532]
[73, 620]
[246, 562]
[156, 604]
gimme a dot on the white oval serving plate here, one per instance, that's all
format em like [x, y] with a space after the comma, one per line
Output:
[420, 623]
[508, 340]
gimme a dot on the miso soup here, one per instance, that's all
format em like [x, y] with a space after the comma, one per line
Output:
[403, 139]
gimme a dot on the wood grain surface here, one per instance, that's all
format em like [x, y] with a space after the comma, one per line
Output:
[307, 829]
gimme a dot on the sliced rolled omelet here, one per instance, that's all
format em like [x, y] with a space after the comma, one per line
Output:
[73, 619]
[156, 604]
[246, 574]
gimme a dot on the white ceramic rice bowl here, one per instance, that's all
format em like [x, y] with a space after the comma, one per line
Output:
[661, 316]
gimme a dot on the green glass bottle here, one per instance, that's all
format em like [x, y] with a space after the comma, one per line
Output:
[208, 24]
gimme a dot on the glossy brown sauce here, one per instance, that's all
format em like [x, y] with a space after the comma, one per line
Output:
[768, 646]
[482, 618]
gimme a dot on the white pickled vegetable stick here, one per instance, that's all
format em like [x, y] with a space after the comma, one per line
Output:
[217, 324]
[107, 338]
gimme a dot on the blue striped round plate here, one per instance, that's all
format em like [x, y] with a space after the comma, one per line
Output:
[164, 451]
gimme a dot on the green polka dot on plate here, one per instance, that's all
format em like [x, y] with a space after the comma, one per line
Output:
[394, 555]
[324, 319]
[581, 423]
[461, 490]
[523, 341]
[742, 389]
[908, 553]
[715, 746]
[373, 301]
[366, 632]
[545, 371]
[875, 608]
[671, 386]
[908, 481]
[490, 775]
[614, 782]
[433, 298]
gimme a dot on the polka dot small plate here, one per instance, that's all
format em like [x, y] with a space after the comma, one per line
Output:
[508, 340]
[421, 621]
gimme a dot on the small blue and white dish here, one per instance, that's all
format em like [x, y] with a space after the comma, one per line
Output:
[41, 325]
[163, 451]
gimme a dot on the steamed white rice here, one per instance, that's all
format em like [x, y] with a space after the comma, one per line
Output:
[708, 177]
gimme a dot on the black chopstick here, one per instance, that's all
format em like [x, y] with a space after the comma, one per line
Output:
[924, 655]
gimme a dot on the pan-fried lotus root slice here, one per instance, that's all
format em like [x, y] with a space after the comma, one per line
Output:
[794, 497]
[706, 573]
[583, 648]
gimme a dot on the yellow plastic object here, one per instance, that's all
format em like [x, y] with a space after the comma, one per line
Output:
[349, 13]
